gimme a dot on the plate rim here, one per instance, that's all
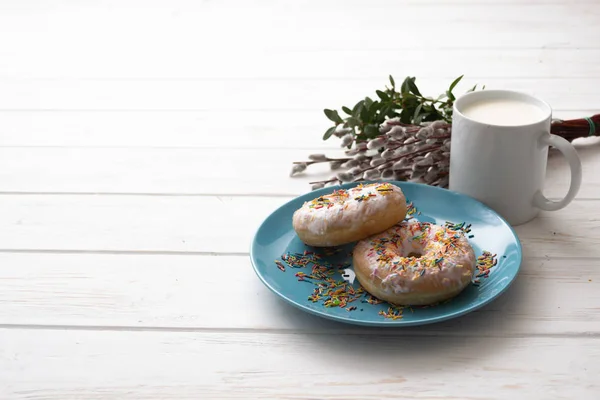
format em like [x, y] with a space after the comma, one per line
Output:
[387, 323]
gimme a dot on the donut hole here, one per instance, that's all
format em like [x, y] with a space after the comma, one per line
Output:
[414, 254]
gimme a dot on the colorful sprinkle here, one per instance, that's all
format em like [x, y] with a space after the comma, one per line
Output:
[411, 210]
[384, 189]
[485, 263]
[463, 227]
[372, 300]
[330, 292]
[280, 265]
[393, 312]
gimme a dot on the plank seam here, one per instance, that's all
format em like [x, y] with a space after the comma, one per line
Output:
[358, 332]
[204, 253]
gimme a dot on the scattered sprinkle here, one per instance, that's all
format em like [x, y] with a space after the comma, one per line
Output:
[393, 312]
[330, 292]
[463, 227]
[280, 265]
[411, 210]
[485, 263]
[372, 299]
[331, 251]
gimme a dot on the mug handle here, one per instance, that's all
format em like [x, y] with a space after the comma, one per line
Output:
[567, 149]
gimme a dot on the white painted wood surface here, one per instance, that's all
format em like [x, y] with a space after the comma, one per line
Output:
[142, 142]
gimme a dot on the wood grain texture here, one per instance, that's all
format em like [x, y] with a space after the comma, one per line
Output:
[165, 292]
[276, 95]
[142, 142]
[190, 39]
[106, 365]
[208, 171]
[220, 224]
[173, 129]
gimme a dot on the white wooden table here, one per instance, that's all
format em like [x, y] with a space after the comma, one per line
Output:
[142, 142]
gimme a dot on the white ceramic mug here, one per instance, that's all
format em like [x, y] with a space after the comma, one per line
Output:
[503, 165]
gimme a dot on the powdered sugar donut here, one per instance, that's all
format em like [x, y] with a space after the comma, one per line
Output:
[346, 216]
[414, 263]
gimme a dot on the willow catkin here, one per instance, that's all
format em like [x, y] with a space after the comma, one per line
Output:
[410, 152]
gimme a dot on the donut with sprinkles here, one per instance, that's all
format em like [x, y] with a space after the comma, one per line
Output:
[415, 263]
[346, 216]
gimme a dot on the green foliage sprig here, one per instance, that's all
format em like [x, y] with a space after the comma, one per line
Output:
[407, 103]
[401, 135]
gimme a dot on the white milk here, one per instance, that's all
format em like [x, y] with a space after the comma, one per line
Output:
[507, 112]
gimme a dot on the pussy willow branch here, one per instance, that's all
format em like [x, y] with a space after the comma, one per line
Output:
[426, 145]
[396, 142]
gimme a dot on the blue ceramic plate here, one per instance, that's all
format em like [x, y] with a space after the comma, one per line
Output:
[490, 232]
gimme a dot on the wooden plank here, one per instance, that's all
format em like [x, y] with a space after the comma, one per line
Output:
[208, 171]
[220, 224]
[254, 94]
[192, 35]
[248, 129]
[155, 292]
[184, 365]
[373, 63]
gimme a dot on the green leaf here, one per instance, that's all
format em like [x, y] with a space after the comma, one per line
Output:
[450, 95]
[417, 120]
[368, 102]
[405, 88]
[405, 116]
[435, 115]
[371, 130]
[473, 88]
[333, 116]
[426, 117]
[453, 84]
[417, 112]
[382, 95]
[413, 87]
[375, 115]
[351, 122]
[385, 110]
[329, 132]
[358, 108]
[392, 82]
[364, 112]
[410, 102]
[347, 110]
[441, 96]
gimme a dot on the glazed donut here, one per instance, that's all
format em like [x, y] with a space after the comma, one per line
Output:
[414, 263]
[346, 216]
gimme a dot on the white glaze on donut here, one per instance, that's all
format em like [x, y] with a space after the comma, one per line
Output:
[346, 216]
[344, 207]
[443, 263]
